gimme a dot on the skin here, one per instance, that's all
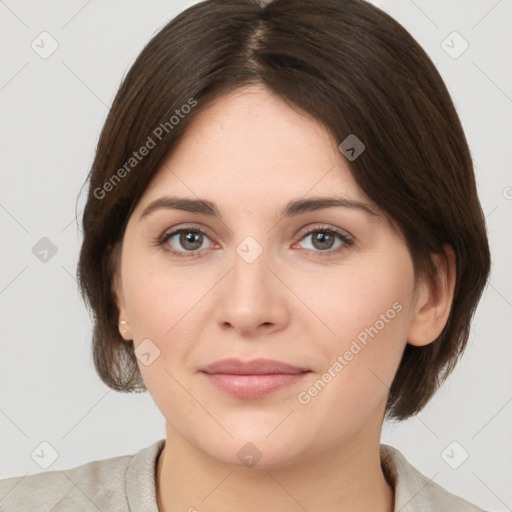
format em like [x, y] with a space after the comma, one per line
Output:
[250, 153]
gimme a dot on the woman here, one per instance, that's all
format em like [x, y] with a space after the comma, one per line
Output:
[283, 243]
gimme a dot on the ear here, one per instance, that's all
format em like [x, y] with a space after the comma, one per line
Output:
[123, 319]
[433, 301]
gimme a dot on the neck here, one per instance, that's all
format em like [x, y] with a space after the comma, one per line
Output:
[347, 479]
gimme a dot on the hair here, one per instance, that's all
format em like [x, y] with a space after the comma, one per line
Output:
[350, 66]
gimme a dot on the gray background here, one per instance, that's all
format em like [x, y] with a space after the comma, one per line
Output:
[52, 110]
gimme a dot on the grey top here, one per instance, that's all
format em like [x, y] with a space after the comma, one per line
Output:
[127, 483]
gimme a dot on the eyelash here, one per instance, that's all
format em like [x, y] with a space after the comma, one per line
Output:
[344, 237]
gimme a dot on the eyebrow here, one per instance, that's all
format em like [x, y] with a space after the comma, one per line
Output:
[293, 208]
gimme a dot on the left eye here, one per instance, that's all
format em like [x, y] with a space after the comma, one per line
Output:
[324, 239]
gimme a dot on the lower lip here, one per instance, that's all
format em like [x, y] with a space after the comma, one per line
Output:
[253, 386]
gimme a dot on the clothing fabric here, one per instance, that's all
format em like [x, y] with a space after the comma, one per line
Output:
[127, 484]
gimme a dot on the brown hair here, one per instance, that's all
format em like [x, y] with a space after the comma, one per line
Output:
[349, 65]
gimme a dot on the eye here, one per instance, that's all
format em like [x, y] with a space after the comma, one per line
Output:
[323, 239]
[185, 241]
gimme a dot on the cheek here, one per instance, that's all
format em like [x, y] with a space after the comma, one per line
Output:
[369, 311]
[167, 306]
[370, 299]
[161, 299]
[164, 303]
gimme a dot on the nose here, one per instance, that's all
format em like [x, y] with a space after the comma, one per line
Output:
[251, 299]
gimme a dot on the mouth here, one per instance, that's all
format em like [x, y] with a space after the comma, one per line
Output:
[252, 379]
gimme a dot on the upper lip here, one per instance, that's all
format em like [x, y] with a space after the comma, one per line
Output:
[254, 367]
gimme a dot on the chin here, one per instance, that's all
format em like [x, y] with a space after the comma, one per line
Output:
[255, 450]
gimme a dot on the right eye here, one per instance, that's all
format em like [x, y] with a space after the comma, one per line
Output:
[184, 242]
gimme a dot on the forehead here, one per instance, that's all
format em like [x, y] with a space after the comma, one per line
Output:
[251, 147]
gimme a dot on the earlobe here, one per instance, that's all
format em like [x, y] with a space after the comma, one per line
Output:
[434, 301]
[124, 329]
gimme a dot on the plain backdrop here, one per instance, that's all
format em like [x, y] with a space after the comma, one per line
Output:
[52, 110]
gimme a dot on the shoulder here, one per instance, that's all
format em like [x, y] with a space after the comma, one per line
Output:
[414, 492]
[80, 488]
[98, 485]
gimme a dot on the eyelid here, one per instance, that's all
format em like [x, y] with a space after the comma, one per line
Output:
[182, 227]
[324, 227]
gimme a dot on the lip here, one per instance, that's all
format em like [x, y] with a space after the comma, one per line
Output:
[234, 366]
[252, 379]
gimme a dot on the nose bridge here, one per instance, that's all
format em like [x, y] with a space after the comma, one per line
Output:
[250, 296]
[250, 273]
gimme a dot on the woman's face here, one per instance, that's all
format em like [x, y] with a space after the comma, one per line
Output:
[252, 283]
